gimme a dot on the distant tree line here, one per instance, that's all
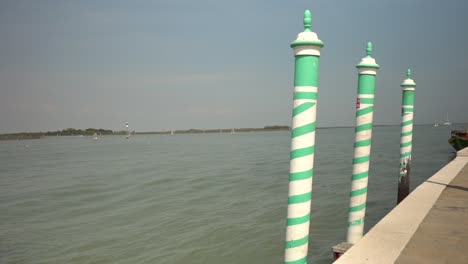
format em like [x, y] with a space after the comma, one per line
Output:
[77, 132]
[219, 130]
[100, 131]
[276, 127]
[64, 132]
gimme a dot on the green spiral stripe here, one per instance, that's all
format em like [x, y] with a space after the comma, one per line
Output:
[363, 127]
[302, 107]
[409, 122]
[299, 261]
[357, 208]
[302, 130]
[406, 144]
[297, 176]
[356, 222]
[362, 143]
[300, 198]
[298, 220]
[364, 111]
[359, 191]
[298, 153]
[361, 159]
[409, 133]
[359, 176]
[297, 243]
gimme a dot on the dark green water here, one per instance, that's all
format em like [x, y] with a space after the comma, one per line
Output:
[201, 198]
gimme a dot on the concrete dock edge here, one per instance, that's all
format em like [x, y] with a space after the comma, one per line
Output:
[387, 239]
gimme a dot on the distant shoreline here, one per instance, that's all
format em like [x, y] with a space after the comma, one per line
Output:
[219, 130]
[91, 131]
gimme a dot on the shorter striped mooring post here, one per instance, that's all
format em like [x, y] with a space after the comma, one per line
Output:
[367, 69]
[406, 136]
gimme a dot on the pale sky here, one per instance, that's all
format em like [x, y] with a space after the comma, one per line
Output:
[172, 64]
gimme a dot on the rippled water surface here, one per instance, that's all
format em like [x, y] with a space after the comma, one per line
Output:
[195, 198]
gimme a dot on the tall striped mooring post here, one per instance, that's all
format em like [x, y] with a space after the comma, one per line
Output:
[406, 137]
[367, 69]
[307, 53]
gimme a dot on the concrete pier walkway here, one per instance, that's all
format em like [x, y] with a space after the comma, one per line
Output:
[429, 226]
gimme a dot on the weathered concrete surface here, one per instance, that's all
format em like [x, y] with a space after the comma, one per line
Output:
[404, 235]
[442, 237]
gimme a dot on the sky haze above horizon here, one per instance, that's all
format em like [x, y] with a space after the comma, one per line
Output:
[169, 64]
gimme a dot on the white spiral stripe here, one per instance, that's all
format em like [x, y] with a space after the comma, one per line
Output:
[361, 152]
[300, 187]
[363, 167]
[407, 117]
[406, 128]
[358, 214]
[302, 164]
[298, 210]
[302, 141]
[305, 118]
[364, 119]
[363, 135]
[296, 232]
[296, 253]
[406, 139]
[359, 184]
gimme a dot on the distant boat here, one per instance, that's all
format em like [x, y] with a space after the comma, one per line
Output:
[436, 124]
[172, 132]
[447, 122]
[95, 136]
[459, 139]
[233, 131]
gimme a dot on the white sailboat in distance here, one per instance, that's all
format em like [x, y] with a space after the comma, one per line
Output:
[447, 122]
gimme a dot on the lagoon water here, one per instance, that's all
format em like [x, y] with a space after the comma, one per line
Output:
[193, 198]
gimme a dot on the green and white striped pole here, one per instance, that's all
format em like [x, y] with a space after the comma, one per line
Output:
[307, 53]
[407, 113]
[367, 69]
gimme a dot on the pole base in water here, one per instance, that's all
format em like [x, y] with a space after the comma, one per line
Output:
[340, 249]
[403, 184]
